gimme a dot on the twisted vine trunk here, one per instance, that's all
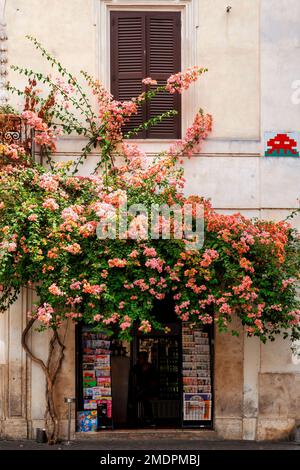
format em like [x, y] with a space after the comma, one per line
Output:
[50, 369]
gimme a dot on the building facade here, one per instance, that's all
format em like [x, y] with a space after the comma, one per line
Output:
[251, 88]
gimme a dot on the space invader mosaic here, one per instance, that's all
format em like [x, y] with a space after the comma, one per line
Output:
[282, 144]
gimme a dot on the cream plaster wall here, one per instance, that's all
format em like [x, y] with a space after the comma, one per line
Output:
[227, 43]
[278, 374]
[65, 27]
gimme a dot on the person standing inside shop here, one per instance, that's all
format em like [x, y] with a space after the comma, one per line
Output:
[146, 385]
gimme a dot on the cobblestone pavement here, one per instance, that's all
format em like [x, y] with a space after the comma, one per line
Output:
[161, 444]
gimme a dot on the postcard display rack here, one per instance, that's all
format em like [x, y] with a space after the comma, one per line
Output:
[96, 381]
[196, 376]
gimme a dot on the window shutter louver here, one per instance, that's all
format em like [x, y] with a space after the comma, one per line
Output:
[128, 38]
[163, 59]
[146, 44]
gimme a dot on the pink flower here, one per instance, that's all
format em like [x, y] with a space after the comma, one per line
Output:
[48, 182]
[287, 282]
[73, 315]
[141, 284]
[208, 257]
[225, 309]
[250, 330]
[43, 135]
[134, 254]
[138, 228]
[11, 247]
[74, 249]
[103, 209]
[113, 114]
[13, 151]
[295, 314]
[88, 229]
[74, 300]
[127, 286]
[246, 264]
[258, 323]
[245, 285]
[149, 252]
[134, 156]
[97, 317]
[248, 238]
[32, 218]
[182, 80]
[117, 263]
[72, 213]
[184, 304]
[276, 307]
[44, 313]
[55, 290]
[112, 319]
[206, 319]
[50, 204]
[93, 289]
[160, 296]
[177, 296]
[195, 134]
[155, 263]
[75, 285]
[126, 323]
[149, 81]
[145, 326]
[68, 88]
[260, 309]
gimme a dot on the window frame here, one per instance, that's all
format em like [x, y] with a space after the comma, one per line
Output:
[189, 26]
[146, 17]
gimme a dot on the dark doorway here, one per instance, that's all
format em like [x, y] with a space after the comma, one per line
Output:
[177, 389]
[155, 396]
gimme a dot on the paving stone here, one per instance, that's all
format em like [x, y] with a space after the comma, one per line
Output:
[158, 444]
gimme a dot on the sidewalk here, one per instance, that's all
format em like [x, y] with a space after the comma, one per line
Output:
[151, 444]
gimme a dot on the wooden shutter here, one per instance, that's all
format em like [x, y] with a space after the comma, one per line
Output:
[163, 59]
[128, 67]
[146, 44]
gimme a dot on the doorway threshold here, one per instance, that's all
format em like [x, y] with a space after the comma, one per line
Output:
[147, 434]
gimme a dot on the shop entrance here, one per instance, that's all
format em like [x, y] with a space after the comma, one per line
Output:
[159, 379]
[155, 380]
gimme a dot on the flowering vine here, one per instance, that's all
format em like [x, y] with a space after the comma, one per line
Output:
[61, 234]
[244, 268]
